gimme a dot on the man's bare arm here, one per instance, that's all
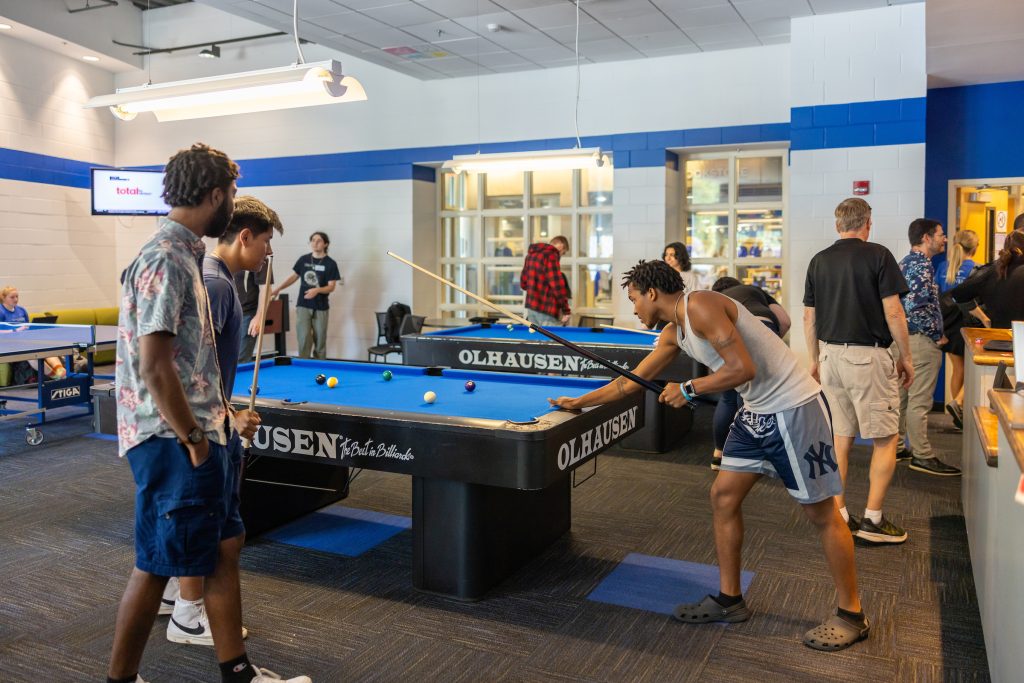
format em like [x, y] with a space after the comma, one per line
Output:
[156, 369]
[896, 320]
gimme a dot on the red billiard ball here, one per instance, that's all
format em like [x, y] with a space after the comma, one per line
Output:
[470, 385]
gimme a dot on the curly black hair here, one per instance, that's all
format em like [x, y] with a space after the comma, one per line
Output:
[253, 214]
[192, 173]
[653, 274]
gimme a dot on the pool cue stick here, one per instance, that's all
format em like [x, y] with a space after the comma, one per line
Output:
[630, 329]
[259, 343]
[645, 383]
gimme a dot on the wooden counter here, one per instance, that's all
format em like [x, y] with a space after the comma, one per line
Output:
[986, 424]
[974, 341]
[1009, 408]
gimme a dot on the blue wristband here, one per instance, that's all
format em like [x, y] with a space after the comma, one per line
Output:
[683, 392]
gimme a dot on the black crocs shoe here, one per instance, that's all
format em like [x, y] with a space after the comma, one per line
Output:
[709, 611]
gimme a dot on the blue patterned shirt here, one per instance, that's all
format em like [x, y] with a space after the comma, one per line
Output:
[921, 303]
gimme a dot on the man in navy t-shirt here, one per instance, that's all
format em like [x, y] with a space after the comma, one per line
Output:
[244, 246]
[319, 275]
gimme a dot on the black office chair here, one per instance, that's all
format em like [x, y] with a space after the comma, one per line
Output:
[411, 324]
[382, 348]
[593, 320]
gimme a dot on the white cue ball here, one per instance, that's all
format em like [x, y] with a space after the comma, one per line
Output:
[429, 397]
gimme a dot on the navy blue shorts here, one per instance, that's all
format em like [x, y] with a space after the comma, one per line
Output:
[182, 513]
[794, 446]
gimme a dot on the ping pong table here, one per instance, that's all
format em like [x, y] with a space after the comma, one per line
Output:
[33, 343]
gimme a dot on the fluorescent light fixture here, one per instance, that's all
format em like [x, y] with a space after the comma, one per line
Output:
[5, 27]
[299, 85]
[90, 58]
[212, 52]
[554, 159]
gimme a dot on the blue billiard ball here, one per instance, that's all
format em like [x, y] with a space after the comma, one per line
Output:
[257, 390]
[320, 379]
[470, 385]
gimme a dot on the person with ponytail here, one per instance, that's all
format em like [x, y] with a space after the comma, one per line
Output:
[950, 272]
[999, 286]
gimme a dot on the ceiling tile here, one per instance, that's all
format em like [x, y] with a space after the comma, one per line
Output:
[830, 6]
[669, 52]
[720, 34]
[359, 5]
[684, 4]
[730, 44]
[383, 37]
[459, 8]
[652, 22]
[763, 10]
[704, 16]
[562, 14]
[610, 9]
[309, 9]
[469, 47]
[663, 40]
[505, 59]
[439, 30]
[516, 5]
[593, 49]
[547, 54]
[349, 24]
[403, 14]
[567, 34]
[771, 27]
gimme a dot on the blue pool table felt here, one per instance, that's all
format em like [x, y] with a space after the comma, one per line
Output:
[498, 396]
[577, 335]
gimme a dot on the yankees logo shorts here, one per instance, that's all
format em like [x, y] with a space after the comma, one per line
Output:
[793, 446]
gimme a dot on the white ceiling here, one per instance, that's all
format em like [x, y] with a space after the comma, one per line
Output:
[975, 41]
[449, 38]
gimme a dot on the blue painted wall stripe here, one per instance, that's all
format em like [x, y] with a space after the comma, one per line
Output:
[858, 124]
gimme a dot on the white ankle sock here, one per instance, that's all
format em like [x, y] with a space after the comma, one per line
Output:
[874, 515]
[846, 515]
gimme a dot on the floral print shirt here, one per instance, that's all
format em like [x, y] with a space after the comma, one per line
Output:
[921, 303]
[164, 291]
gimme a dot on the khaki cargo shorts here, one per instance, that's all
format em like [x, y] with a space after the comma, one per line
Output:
[862, 388]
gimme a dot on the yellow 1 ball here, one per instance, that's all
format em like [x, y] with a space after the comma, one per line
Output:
[332, 382]
[429, 397]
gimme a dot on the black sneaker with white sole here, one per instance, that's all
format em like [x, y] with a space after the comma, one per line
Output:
[957, 413]
[853, 524]
[933, 466]
[883, 532]
[904, 454]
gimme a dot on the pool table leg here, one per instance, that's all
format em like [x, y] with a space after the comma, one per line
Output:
[467, 538]
[276, 491]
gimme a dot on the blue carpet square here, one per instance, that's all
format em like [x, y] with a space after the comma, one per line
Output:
[341, 530]
[658, 584]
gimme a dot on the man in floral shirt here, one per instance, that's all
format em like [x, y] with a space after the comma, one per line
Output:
[924, 322]
[174, 422]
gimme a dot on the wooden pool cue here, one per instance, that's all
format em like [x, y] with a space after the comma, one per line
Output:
[645, 383]
[259, 343]
[630, 329]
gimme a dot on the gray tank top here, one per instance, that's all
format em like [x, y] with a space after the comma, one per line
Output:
[779, 383]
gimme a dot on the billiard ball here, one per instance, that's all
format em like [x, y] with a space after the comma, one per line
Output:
[387, 375]
[332, 382]
[510, 327]
[533, 331]
[470, 385]
[429, 397]
[257, 389]
[320, 379]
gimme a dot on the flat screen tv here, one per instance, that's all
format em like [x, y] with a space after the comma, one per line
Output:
[124, 192]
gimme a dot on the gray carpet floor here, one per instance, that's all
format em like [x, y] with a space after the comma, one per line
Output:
[66, 550]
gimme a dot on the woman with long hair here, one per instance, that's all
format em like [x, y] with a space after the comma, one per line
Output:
[949, 273]
[999, 286]
[676, 255]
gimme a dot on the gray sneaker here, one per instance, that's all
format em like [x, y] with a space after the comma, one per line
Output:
[883, 532]
[933, 466]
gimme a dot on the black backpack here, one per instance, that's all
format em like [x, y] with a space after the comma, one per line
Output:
[393, 321]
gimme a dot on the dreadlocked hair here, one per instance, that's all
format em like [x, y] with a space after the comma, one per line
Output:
[192, 173]
[253, 214]
[653, 275]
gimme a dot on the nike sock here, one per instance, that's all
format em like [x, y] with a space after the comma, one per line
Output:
[855, 618]
[238, 670]
[846, 515]
[728, 600]
[874, 515]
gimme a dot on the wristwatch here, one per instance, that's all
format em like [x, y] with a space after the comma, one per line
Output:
[195, 436]
[688, 389]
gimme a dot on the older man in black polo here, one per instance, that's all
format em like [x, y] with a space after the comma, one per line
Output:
[852, 315]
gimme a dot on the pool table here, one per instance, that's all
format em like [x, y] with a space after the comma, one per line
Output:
[488, 346]
[491, 468]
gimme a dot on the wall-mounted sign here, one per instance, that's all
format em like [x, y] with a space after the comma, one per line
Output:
[1000, 221]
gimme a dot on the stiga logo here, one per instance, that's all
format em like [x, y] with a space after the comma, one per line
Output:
[593, 440]
[66, 392]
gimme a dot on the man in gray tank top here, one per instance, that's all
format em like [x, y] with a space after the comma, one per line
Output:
[783, 431]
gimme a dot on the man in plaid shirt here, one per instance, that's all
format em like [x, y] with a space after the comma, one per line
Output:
[547, 293]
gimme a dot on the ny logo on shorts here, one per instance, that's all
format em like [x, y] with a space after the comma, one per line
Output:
[757, 425]
[822, 457]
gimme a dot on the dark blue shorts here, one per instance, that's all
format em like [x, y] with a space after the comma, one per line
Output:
[182, 513]
[794, 446]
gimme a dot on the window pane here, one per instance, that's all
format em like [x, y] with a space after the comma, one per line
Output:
[768, 278]
[707, 234]
[504, 190]
[595, 285]
[707, 181]
[459, 237]
[759, 234]
[464, 275]
[759, 179]
[596, 235]
[551, 189]
[503, 283]
[596, 186]
[544, 228]
[503, 236]
[708, 273]
[459, 191]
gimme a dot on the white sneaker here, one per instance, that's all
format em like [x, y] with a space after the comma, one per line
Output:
[266, 676]
[190, 625]
[170, 595]
[138, 679]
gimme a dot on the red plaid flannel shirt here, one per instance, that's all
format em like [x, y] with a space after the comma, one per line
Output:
[541, 279]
